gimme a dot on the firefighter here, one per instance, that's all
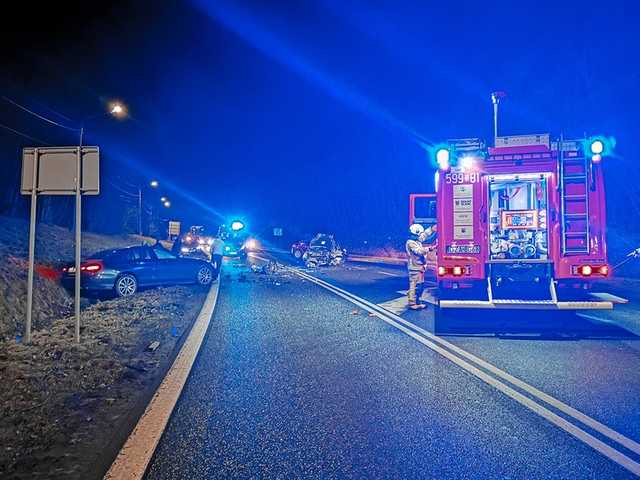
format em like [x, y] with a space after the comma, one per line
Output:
[416, 264]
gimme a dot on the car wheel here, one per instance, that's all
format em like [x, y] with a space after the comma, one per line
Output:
[205, 275]
[126, 285]
[297, 254]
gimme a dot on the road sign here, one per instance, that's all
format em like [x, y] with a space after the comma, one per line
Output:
[174, 228]
[56, 170]
[277, 232]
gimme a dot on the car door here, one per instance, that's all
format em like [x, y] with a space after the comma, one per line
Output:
[144, 265]
[167, 267]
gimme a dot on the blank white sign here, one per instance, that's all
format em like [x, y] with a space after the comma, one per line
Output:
[56, 173]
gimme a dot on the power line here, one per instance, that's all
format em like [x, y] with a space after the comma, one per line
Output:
[120, 189]
[53, 111]
[25, 135]
[21, 107]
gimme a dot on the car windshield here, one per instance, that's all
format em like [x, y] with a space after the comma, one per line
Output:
[322, 241]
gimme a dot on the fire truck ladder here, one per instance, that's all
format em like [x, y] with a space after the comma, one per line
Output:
[574, 204]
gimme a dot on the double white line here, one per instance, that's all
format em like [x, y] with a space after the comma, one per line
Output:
[499, 379]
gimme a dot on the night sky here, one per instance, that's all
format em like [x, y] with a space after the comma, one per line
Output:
[314, 115]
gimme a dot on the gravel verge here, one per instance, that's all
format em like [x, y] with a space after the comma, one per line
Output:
[67, 408]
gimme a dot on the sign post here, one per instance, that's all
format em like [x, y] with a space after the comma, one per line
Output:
[58, 171]
[32, 246]
[78, 241]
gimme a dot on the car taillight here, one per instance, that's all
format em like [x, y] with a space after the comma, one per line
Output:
[603, 270]
[91, 267]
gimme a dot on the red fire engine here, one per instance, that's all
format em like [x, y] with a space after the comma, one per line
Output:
[519, 225]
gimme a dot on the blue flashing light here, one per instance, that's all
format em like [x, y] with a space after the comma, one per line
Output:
[597, 147]
[442, 158]
[237, 225]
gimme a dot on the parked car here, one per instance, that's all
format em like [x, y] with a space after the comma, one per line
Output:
[125, 270]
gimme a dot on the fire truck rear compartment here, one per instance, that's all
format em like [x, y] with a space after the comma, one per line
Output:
[518, 229]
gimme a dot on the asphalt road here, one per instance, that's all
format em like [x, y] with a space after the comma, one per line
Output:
[294, 381]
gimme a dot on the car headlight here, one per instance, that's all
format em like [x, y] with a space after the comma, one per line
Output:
[250, 244]
[184, 249]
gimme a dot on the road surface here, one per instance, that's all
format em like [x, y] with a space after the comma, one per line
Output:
[298, 380]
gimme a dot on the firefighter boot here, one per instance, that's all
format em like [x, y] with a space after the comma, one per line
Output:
[415, 280]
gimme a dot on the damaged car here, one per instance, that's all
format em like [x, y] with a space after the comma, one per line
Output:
[323, 250]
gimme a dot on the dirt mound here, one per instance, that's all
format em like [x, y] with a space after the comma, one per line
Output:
[54, 247]
[50, 299]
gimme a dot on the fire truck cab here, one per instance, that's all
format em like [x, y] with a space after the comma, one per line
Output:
[519, 225]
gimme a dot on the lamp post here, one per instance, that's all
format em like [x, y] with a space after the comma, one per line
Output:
[153, 184]
[118, 110]
[495, 99]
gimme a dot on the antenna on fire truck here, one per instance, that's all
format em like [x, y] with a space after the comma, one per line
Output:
[495, 99]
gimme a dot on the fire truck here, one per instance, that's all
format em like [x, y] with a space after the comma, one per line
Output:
[521, 224]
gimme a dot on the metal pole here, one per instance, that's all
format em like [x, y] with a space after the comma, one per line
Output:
[139, 210]
[495, 100]
[78, 239]
[32, 246]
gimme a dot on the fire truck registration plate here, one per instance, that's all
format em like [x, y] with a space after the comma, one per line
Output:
[463, 248]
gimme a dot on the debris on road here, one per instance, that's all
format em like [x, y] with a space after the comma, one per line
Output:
[153, 346]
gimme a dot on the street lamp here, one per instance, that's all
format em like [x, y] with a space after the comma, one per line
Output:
[153, 184]
[118, 110]
[166, 203]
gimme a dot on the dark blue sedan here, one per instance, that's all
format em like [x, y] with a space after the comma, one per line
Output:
[125, 270]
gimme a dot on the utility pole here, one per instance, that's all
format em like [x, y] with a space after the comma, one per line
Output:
[140, 210]
[78, 235]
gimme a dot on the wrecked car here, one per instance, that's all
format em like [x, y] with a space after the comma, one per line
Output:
[323, 250]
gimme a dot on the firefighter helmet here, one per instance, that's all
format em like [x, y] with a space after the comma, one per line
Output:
[416, 229]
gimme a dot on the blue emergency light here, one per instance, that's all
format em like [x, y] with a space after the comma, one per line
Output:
[237, 225]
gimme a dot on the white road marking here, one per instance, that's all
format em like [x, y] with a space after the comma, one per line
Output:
[609, 297]
[389, 274]
[430, 340]
[134, 457]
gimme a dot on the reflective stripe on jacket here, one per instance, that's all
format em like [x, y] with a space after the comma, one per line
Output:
[415, 255]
